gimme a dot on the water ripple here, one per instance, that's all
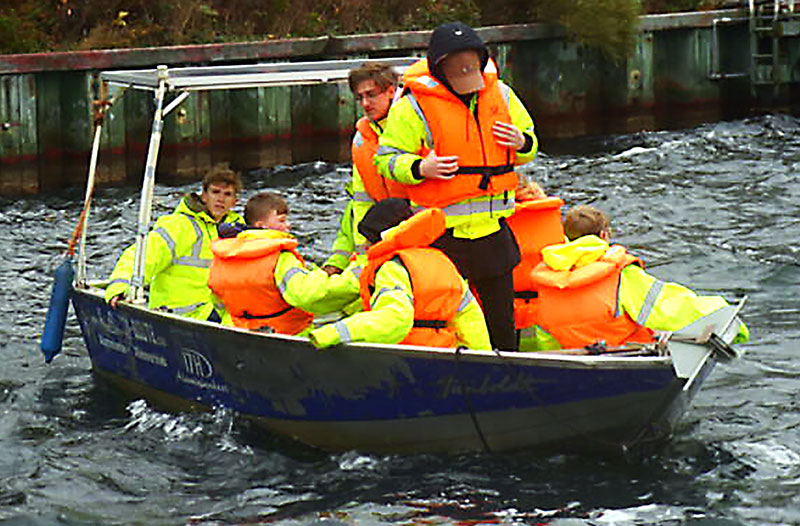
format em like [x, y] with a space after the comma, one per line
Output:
[716, 208]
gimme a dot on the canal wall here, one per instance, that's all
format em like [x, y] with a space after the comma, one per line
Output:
[684, 69]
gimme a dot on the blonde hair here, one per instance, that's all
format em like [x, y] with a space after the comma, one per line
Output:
[583, 220]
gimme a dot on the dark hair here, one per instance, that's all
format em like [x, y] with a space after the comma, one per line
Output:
[382, 74]
[222, 174]
[583, 220]
[260, 205]
[385, 214]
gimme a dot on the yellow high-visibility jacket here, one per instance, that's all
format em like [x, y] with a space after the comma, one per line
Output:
[392, 315]
[348, 239]
[178, 255]
[650, 302]
[406, 136]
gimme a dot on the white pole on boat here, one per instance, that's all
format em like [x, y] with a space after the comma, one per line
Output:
[146, 201]
[80, 272]
[102, 106]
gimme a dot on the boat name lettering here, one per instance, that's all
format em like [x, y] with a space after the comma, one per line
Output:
[110, 324]
[112, 345]
[196, 364]
[451, 385]
[149, 357]
[214, 386]
[143, 331]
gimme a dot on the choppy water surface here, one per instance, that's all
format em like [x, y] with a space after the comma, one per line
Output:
[716, 207]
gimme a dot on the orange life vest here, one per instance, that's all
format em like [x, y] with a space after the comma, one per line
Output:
[579, 307]
[485, 167]
[363, 152]
[242, 274]
[436, 284]
[536, 224]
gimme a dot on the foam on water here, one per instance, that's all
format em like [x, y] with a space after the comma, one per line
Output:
[716, 208]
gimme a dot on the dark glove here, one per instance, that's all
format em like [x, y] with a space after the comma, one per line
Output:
[225, 230]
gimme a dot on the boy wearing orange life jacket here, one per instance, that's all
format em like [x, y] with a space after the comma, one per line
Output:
[412, 293]
[590, 292]
[262, 279]
[373, 86]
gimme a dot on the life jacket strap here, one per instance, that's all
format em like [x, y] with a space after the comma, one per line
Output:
[246, 315]
[430, 324]
[486, 171]
[526, 294]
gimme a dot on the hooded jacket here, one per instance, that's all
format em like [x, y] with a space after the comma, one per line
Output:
[178, 256]
[408, 137]
[412, 294]
[572, 306]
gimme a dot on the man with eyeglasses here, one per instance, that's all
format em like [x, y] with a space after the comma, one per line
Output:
[453, 140]
[178, 250]
[373, 86]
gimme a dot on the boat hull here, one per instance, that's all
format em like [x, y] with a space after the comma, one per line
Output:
[385, 398]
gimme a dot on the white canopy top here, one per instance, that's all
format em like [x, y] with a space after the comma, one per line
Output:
[245, 76]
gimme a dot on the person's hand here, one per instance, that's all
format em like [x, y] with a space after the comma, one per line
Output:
[435, 167]
[529, 191]
[116, 299]
[331, 270]
[508, 135]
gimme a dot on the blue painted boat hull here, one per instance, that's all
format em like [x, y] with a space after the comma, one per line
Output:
[385, 398]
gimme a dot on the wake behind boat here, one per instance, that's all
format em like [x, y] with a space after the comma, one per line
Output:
[383, 398]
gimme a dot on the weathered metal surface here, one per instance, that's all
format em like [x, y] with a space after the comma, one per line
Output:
[685, 68]
[388, 398]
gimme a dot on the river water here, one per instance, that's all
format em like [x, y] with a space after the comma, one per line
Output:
[716, 207]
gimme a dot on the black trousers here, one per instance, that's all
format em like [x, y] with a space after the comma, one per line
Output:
[497, 300]
[487, 263]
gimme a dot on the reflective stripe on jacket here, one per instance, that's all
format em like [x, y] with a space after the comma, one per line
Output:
[435, 282]
[485, 167]
[365, 144]
[243, 276]
[580, 306]
[406, 138]
[178, 255]
[344, 244]
[536, 224]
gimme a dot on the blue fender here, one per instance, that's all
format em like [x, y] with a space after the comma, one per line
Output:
[53, 333]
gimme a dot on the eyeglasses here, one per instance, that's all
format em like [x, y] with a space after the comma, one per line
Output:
[371, 95]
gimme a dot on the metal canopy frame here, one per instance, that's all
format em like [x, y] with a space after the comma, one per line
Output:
[243, 76]
[183, 81]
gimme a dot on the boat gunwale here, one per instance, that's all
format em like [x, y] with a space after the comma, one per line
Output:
[539, 358]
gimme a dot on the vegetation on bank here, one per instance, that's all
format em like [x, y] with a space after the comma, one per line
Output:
[29, 26]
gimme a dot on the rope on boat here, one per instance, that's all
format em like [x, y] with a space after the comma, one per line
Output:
[465, 392]
[543, 406]
[100, 109]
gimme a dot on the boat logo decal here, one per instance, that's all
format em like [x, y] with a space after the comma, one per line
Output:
[196, 364]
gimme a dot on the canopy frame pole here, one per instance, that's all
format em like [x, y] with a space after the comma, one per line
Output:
[148, 183]
[176, 102]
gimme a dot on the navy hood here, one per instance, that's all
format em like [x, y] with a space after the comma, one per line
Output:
[384, 215]
[449, 38]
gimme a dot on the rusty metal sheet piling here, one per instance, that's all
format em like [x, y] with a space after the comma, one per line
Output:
[685, 68]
